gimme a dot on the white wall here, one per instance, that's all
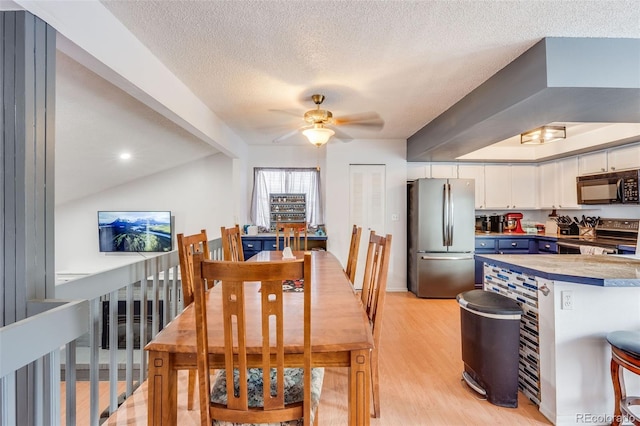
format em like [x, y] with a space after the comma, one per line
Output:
[199, 195]
[391, 153]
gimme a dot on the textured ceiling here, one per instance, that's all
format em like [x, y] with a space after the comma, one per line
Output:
[256, 63]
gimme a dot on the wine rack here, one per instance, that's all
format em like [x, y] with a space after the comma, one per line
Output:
[287, 208]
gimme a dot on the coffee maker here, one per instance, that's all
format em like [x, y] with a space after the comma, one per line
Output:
[496, 223]
[512, 223]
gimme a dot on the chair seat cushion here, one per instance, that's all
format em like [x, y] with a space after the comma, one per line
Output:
[293, 390]
[627, 341]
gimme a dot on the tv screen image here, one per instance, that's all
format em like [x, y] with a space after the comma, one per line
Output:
[134, 231]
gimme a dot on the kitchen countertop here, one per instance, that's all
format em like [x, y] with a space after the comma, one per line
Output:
[599, 270]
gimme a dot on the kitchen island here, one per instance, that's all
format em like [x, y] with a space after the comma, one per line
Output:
[570, 303]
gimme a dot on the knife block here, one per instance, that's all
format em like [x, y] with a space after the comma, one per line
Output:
[571, 229]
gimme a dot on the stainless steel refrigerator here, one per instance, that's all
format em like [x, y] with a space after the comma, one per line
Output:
[441, 237]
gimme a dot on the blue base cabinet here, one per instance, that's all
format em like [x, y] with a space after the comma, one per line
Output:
[254, 244]
[502, 244]
[483, 246]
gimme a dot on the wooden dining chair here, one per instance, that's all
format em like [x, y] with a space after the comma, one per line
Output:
[374, 287]
[232, 243]
[352, 259]
[188, 245]
[292, 234]
[270, 393]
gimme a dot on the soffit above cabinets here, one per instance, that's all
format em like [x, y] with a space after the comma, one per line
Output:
[576, 82]
[581, 138]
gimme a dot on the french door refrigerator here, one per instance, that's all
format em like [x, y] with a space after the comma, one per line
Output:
[441, 237]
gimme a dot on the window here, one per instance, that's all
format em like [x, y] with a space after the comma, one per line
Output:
[289, 180]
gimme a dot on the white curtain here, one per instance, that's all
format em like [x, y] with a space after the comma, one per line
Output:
[289, 180]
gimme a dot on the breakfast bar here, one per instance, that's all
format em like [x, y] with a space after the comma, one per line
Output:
[570, 303]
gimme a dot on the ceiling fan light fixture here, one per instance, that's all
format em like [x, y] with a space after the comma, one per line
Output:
[318, 135]
[544, 134]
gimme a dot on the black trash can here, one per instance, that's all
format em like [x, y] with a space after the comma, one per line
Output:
[490, 328]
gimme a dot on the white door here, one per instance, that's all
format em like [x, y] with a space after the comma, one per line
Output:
[367, 189]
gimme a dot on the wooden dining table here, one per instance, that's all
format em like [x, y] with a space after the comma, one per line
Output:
[340, 337]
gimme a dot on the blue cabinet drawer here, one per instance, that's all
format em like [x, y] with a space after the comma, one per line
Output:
[485, 243]
[513, 244]
[251, 245]
[547, 247]
[270, 244]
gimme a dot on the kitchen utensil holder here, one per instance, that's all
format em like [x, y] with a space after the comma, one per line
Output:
[587, 231]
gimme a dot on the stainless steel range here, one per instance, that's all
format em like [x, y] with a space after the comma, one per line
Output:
[609, 234]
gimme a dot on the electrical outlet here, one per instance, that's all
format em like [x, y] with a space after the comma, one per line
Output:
[567, 300]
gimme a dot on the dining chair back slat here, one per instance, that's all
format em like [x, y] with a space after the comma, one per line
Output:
[352, 259]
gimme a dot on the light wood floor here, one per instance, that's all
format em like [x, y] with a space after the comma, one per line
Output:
[420, 368]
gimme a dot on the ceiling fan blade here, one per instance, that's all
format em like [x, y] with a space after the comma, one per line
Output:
[365, 119]
[370, 125]
[292, 112]
[290, 134]
[285, 136]
[344, 137]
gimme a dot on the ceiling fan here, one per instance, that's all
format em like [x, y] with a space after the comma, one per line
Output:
[321, 122]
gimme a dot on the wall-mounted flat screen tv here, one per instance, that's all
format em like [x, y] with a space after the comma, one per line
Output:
[129, 231]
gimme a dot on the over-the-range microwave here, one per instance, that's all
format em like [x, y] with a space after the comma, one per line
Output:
[609, 188]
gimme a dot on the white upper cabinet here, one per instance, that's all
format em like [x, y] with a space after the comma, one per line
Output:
[444, 170]
[510, 186]
[497, 186]
[626, 157]
[611, 160]
[418, 171]
[567, 171]
[519, 186]
[558, 184]
[524, 186]
[594, 162]
[548, 186]
[474, 171]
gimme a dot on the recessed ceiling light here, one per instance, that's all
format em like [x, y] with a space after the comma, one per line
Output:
[125, 156]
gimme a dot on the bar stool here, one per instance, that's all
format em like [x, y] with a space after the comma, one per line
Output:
[625, 353]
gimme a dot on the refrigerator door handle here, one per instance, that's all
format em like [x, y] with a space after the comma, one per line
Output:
[451, 222]
[446, 258]
[445, 216]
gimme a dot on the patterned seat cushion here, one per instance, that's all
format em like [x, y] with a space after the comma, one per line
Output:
[293, 390]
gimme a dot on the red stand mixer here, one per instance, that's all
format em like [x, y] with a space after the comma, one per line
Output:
[512, 223]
